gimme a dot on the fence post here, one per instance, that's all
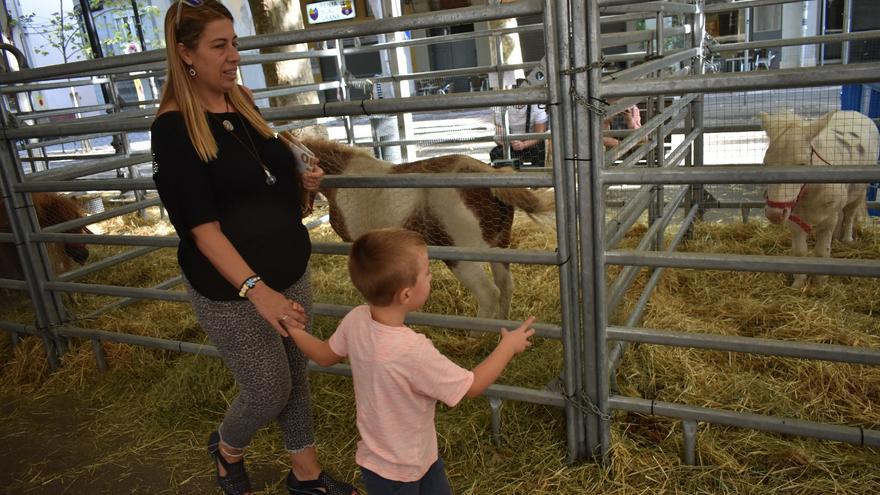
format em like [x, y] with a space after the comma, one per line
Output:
[33, 258]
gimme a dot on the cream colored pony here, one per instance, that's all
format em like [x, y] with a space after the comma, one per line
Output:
[836, 138]
[477, 217]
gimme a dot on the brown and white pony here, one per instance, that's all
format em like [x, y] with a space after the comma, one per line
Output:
[836, 138]
[477, 217]
[51, 209]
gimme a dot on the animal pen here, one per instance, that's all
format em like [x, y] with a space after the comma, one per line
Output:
[659, 171]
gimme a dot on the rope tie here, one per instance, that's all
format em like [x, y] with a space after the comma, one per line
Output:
[565, 261]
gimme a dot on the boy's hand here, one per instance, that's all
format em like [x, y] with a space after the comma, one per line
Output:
[518, 340]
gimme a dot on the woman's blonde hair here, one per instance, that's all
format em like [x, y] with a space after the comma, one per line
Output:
[179, 85]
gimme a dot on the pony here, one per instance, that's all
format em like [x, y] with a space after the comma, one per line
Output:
[51, 209]
[477, 217]
[836, 138]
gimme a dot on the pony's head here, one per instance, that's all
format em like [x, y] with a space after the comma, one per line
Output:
[789, 136]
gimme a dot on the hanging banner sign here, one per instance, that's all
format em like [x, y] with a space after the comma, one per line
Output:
[39, 101]
[329, 11]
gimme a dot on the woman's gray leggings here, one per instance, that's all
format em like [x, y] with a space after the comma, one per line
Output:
[270, 371]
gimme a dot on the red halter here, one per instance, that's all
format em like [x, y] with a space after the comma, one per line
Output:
[791, 204]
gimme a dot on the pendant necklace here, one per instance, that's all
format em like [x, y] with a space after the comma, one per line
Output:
[270, 179]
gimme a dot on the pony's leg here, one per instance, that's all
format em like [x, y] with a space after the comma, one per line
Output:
[504, 282]
[840, 227]
[799, 248]
[472, 275]
[851, 213]
[823, 250]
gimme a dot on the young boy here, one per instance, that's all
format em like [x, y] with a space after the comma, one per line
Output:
[398, 374]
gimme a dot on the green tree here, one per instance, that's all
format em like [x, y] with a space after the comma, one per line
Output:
[116, 17]
[64, 30]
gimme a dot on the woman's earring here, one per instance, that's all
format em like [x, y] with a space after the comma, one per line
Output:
[192, 71]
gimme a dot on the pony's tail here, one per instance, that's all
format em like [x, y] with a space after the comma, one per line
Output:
[539, 205]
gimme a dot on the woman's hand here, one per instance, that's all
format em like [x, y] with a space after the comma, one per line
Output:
[518, 145]
[312, 178]
[633, 117]
[275, 309]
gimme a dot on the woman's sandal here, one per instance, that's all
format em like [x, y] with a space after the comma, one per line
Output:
[324, 485]
[236, 481]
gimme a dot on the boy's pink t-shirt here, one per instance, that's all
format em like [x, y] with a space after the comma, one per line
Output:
[398, 378]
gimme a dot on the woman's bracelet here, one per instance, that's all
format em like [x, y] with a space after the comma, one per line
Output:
[248, 284]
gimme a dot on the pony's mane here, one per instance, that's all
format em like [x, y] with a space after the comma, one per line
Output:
[335, 155]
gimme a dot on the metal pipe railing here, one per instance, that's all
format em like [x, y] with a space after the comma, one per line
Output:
[745, 81]
[104, 215]
[619, 348]
[617, 227]
[733, 174]
[609, 40]
[23, 88]
[627, 276]
[752, 345]
[422, 180]
[40, 114]
[23, 146]
[61, 158]
[626, 6]
[335, 109]
[633, 159]
[449, 38]
[128, 301]
[806, 40]
[649, 67]
[84, 169]
[466, 71]
[747, 263]
[669, 115]
[743, 4]
[105, 263]
[773, 424]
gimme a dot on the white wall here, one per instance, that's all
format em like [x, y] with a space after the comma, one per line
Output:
[792, 27]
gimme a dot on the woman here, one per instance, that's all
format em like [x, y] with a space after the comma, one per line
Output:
[231, 191]
[522, 119]
[632, 117]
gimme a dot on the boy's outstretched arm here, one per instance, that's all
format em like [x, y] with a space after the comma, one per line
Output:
[512, 343]
[314, 348]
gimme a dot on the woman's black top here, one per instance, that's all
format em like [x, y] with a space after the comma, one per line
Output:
[263, 222]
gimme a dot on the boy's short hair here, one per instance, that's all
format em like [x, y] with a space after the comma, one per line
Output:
[381, 263]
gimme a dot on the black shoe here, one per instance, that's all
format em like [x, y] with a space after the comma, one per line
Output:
[236, 481]
[324, 485]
